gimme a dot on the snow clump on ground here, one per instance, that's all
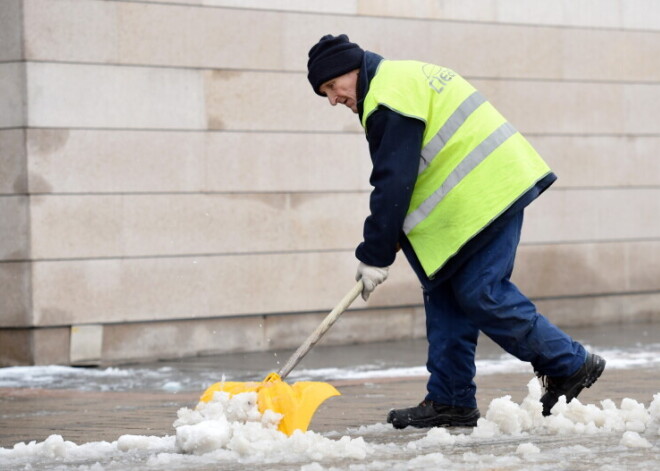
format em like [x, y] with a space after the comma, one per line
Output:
[234, 424]
[506, 417]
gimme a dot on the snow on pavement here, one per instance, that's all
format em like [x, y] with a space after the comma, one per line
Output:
[171, 379]
[230, 433]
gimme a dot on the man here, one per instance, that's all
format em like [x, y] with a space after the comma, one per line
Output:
[451, 178]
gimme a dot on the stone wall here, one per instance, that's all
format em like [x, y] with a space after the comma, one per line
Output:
[171, 186]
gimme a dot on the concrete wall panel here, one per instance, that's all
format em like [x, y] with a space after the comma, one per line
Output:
[211, 39]
[52, 32]
[546, 271]
[139, 33]
[575, 107]
[290, 105]
[155, 340]
[355, 326]
[287, 162]
[601, 161]
[642, 265]
[642, 14]
[13, 162]
[14, 228]
[34, 346]
[642, 108]
[574, 215]
[598, 310]
[12, 95]
[159, 225]
[51, 346]
[97, 161]
[16, 347]
[100, 291]
[15, 308]
[68, 95]
[11, 31]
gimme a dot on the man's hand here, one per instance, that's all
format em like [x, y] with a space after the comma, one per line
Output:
[371, 277]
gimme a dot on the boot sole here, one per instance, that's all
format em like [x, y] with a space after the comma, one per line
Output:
[438, 421]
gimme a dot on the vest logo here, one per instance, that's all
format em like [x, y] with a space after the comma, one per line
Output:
[438, 77]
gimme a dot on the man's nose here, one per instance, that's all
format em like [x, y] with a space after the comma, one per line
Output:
[332, 99]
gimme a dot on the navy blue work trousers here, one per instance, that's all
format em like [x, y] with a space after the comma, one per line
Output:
[481, 297]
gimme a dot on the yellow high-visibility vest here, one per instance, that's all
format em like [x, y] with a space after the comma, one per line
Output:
[473, 163]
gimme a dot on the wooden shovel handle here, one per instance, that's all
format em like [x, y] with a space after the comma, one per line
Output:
[321, 330]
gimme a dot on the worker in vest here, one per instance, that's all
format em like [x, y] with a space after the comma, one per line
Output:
[451, 178]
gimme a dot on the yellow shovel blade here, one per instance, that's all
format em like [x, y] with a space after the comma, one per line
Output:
[296, 403]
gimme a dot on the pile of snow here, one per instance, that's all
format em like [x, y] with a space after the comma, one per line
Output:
[231, 429]
[234, 426]
[56, 449]
[224, 429]
[506, 417]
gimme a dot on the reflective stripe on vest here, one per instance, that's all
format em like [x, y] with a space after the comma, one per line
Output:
[458, 117]
[473, 164]
[473, 159]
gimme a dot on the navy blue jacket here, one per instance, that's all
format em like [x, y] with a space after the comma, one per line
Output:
[395, 142]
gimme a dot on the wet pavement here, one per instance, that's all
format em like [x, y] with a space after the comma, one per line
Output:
[102, 404]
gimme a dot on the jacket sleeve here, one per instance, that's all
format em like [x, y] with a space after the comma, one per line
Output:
[395, 142]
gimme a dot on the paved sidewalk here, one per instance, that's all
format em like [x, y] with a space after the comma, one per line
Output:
[79, 416]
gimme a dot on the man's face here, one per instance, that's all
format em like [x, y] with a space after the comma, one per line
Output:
[342, 89]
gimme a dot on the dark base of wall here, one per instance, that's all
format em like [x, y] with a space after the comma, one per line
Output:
[34, 346]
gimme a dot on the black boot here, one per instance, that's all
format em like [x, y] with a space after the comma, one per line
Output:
[431, 414]
[571, 386]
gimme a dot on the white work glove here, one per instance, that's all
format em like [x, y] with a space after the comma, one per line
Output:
[371, 277]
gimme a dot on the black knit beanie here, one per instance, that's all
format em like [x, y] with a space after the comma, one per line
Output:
[331, 57]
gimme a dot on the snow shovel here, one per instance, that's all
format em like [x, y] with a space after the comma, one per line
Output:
[296, 403]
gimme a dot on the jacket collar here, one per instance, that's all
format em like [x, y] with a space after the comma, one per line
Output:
[370, 64]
